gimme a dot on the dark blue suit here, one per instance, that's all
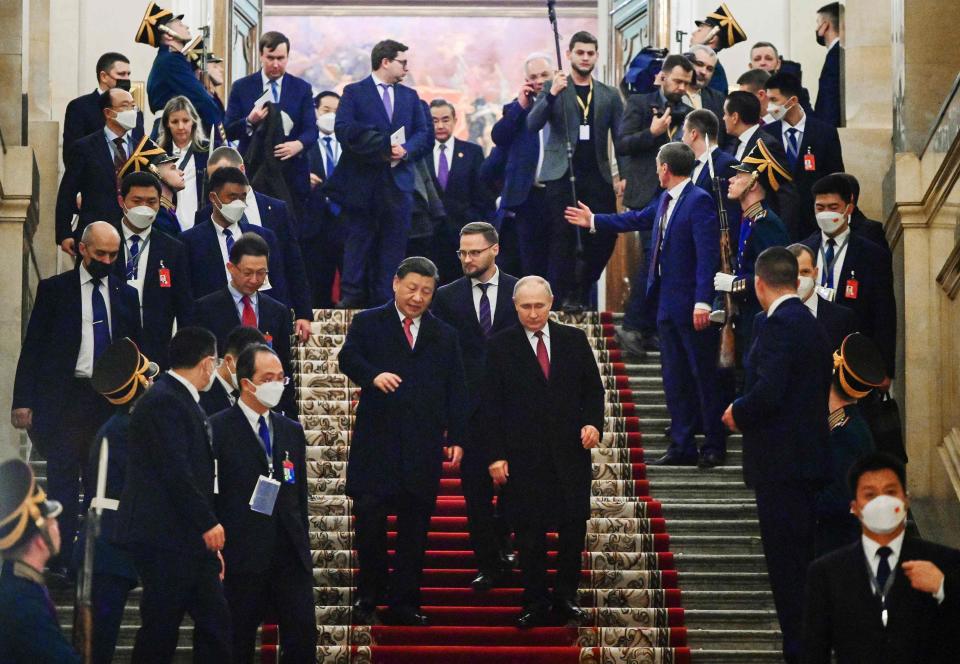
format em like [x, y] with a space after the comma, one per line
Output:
[321, 233]
[377, 199]
[837, 321]
[66, 410]
[296, 99]
[82, 117]
[90, 172]
[681, 277]
[172, 75]
[828, 95]
[396, 455]
[275, 217]
[783, 417]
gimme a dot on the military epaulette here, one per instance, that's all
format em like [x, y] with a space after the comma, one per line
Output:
[838, 419]
[739, 286]
[167, 204]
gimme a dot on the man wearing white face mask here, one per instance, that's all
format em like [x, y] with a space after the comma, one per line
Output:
[888, 597]
[837, 321]
[155, 264]
[268, 562]
[226, 389]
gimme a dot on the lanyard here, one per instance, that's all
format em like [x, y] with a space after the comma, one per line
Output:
[828, 268]
[882, 592]
[186, 157]
[143, 247]
[585, 108]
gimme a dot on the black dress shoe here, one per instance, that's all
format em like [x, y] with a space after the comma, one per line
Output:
[406, 616]
[533, 616]
[572, 305]
[363, 612]
[711, 459]
[569, 610]
[671, 459]
[630, 342]
[484, 581]
[508, 561]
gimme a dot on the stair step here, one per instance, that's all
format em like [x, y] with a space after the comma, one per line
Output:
[719, 563]
[749, 527]
[754, 581]
[727, 599]
[733, 639]
[737, 619]
[716, 544]
[735, 656]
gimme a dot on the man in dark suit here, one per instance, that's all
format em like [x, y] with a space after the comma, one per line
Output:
[75, 316]
[240, 302]
[225, 390]
[456, 174]
[889, 597]
[854, 271]
[685, 257]
[83, 115]
[859, 223]
[700, 95]
[374, 180]
[837, 321]
[542, 413]
[412, 415]
[812, 146]
[293, 98]
[829, 105]
[782, 415]
[267, 558]
[166, 517]
[477, 305]
[92, 168]
[588, 116]
[153, 263]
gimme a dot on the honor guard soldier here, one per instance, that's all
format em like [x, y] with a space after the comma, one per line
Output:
[150, 157]
[719, 30]
[29, 537]
[760, 228]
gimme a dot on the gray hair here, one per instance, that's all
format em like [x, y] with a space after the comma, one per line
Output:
[536, 55]
[227, 154]
[678, 157]
[529, 280]
[90, 228]
[703, 48]
[798, 249]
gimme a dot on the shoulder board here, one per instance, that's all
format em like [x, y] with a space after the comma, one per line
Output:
[838, 419]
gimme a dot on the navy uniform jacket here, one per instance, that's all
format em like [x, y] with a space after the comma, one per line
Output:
[51, 345]
[162, 304]
[828, 95]
[241, 457]
[842, 614]
[362, 117]
[466, 198]
[167, 499]
[218, 313]
[83, 117]
[782, 412]
[172, 75]
[399, 436]
[767, 231]
[296, 99]
[29, 629]
[90, 172]
[275, 216]
[850, 439]
[837, 321]
[523, 152]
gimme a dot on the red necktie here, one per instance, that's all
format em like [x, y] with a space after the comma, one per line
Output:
[249, 318]
[542, 356]
[407, 322]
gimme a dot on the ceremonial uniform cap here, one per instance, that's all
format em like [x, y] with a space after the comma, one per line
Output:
[121, 371]
[146, 157]
[24, 508]
[764, 167]
[724, 26]
[858, 366]
[150, 26]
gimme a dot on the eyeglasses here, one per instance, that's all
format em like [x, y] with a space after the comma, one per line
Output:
[125, 107]
[402, 62]
[249, 274]
[285, 380]
[473, 253]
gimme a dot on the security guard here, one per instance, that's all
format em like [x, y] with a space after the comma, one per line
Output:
[858, 368]
[29, 537]
[150, 157]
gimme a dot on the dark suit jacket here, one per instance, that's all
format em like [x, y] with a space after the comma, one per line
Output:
[172, 75]
[398, 437]
[161, 305]
[218, 313]
[723, 165]
[534, 423]
[690, 255]
[466, 198]
[89, 172]
[868, 228]
[275, 216]
[51, 345]
[875, 306]
[712, 100]
[522, 154]
[842, 613]
[254, 536]
[83, 117]
[361, 118]
[828, 96]
[296, 99]
[782, 412]
[320, 211]
[837, 320]
[167, 501]
[215, 399]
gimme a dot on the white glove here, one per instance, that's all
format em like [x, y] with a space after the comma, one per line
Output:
[723, 282]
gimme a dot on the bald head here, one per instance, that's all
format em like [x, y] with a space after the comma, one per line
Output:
[100, 242]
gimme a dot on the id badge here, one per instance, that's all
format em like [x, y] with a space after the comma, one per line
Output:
[584, 132]
[827, 293]
[809, 162]
[165, 281]
[289, 477]
[269, 339]
[851, 289]
[264, 495]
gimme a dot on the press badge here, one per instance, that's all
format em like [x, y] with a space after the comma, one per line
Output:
[827, 293]
[584, 132]
[264, 495]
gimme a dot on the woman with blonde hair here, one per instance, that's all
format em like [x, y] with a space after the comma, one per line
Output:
[181, 134]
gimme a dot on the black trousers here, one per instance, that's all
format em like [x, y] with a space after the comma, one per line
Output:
[489, 531]
[323, 256]
[375, 582]
[532, 543]
[109, 597]
[175, 584]
[285, 591]
[532, 220]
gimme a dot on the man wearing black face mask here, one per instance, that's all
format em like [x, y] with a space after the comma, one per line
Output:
[75, 316]
[828, 108]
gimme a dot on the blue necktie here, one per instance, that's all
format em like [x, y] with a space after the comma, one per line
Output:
[101, 324]
[827, 278]
[227, 233]
[264, 432]
[276, 92]
[328, 151]
[793, 148]
[132, 258]
[883, 569]
[661, 220]
[486, 321]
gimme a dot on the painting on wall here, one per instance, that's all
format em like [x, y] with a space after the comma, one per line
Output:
[474, 62]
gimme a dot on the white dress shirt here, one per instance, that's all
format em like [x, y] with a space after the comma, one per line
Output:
[870, 548]
[542, 141]
[238, 300]
[111, 137]
[194, 392]
[492, 290]
[252, 213]
[744, 138]
[84, 366]
[800, 126]
[377, 81]
[839, 254]
[267, 86]
[414, 328]
[812, 302]
[702, 163]
[253, 417]
[228, 388]
[334, 147]
[532, 338]
[142, 257]
[436, 155]
[187, 198]
[222, 240]
[780, 300]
